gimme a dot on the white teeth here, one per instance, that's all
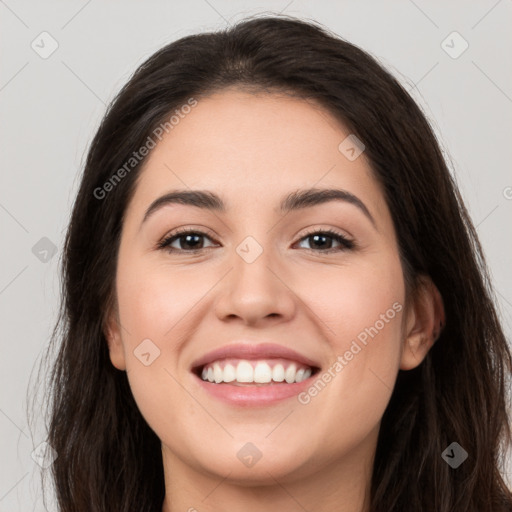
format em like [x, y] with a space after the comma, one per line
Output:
[259, 372]
[229, 373]
[217, 373]
[289, 375]
[262, 373]
[244, 372]
[278, 373]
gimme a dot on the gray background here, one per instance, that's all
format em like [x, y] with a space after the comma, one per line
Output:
[50, 108]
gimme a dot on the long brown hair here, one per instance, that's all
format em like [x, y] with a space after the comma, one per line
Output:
[108, 457]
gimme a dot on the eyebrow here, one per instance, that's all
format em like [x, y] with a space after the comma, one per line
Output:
[298, 200]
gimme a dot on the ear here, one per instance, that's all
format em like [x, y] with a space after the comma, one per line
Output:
[112, 331]
[425, 318]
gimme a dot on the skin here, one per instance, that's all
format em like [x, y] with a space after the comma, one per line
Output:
[315, 456]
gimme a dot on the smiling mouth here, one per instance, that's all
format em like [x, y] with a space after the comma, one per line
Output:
[246, 372]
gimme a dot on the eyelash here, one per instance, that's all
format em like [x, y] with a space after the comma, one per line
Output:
[346, 244]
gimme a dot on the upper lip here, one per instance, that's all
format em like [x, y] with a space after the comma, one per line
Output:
[253, 351]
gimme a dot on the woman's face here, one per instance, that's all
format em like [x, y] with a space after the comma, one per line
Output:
[267, 287]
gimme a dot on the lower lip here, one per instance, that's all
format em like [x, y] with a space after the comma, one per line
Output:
[247, 395]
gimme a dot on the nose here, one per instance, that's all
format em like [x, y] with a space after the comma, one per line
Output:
[256, 293]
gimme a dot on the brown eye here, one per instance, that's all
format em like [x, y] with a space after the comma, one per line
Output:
[192, 241]
[187, 241]
[322, 241]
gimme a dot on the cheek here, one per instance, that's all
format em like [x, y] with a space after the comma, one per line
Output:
[154, 300]
[156, 306]
[360, 308]
[349, 300]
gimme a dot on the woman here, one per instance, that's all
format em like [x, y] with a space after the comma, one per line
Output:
[273, 295]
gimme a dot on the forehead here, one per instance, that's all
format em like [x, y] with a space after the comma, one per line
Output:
[258, 146]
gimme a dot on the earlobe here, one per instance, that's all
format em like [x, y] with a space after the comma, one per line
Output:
[415, 350]
[112, 333]
[426, 318]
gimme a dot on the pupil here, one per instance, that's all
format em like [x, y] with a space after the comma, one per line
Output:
[188, 237]
[316, 237]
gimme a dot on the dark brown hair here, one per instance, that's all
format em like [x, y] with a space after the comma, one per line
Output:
[108, 457]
